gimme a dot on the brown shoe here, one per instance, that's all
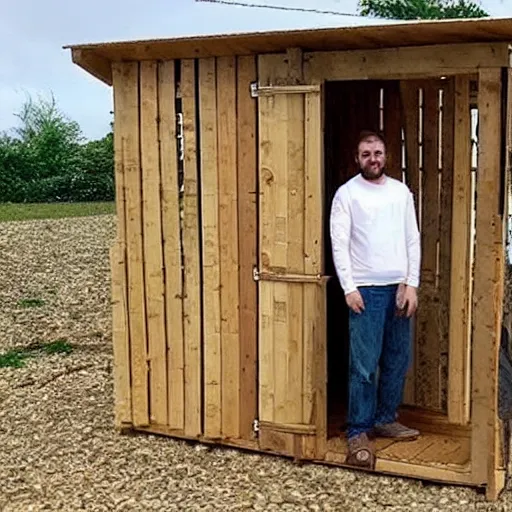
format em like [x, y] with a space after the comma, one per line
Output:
[397, 431]
[361, 452]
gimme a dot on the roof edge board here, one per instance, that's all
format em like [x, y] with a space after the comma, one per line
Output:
[389, 25]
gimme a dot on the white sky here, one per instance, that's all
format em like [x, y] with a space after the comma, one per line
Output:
[32, 34]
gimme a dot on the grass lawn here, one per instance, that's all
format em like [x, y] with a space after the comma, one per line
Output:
[14, 211]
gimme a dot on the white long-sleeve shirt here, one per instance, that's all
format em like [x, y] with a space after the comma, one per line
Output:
[374, 234]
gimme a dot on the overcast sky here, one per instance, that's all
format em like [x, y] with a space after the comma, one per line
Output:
[32, 34]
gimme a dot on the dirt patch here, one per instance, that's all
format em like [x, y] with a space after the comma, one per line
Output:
[58, 447]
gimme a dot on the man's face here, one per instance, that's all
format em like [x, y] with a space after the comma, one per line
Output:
[371, 158]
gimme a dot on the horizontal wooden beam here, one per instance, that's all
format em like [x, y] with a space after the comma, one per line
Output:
[423, 61]
[94, 64]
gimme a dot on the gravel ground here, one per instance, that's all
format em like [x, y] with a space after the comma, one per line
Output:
[58, 447]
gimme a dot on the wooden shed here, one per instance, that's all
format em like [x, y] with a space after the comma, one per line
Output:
[229, 323]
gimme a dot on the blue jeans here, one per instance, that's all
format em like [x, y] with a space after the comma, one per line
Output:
[378, 339]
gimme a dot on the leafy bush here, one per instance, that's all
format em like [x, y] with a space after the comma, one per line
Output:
[47, 160]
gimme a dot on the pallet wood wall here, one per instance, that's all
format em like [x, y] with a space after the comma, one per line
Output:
[438, 171]
[183, 290]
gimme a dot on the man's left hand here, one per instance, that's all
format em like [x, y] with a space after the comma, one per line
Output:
[410, 299]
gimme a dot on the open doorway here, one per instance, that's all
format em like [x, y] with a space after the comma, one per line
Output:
[350, 108]
[418, 120]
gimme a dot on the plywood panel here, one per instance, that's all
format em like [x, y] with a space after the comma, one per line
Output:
[211, 249]
[247, 242]
[191, 253]
[129, 121]
[488, 278]
[228, 225]
[152, 236]
[172, 250]
[428, 391]
[460, 312]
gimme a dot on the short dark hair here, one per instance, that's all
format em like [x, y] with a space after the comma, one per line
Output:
[366, 135]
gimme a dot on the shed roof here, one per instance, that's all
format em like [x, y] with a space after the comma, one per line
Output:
[96, 58]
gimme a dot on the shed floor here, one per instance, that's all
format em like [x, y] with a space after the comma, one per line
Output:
[440, 444]
[429, 449]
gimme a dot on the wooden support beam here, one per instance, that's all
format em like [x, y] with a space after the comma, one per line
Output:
[488, 282]
[407, 62]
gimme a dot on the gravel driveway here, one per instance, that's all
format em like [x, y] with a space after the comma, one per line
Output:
[58, 448]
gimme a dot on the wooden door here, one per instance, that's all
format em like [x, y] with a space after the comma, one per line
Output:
[290, 274]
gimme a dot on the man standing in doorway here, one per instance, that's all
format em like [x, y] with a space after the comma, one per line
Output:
[376, 252]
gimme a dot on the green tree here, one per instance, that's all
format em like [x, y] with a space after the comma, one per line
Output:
[52, 140]
[46, 159]
[421, 9]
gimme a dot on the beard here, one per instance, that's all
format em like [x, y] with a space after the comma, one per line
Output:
[369, 175]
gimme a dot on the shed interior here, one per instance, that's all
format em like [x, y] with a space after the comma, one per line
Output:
[417, 120]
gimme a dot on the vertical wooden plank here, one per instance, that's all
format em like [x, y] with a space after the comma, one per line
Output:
[393, 129]
[410, 109]
[314, 326]
[247, 242]
[295, 242]
[228, 222]
[428, 391]
[488, 279]
[211, 249]
[445, 221]
[280, 257]
[153, 260]
[120, 332]
[266, 234]
[460, 272]
[120, 338]
[171, 245]
[120, 99]
[192, 277]
[129, 121]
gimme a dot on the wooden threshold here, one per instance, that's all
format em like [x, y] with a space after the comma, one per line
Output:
[432, 456]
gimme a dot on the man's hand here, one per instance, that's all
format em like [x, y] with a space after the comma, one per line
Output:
[410, 300]
[355, 301]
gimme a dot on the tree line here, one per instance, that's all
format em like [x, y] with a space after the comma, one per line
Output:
[46, 159]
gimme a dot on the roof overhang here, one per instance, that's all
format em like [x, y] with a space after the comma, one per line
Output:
[97, 58]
